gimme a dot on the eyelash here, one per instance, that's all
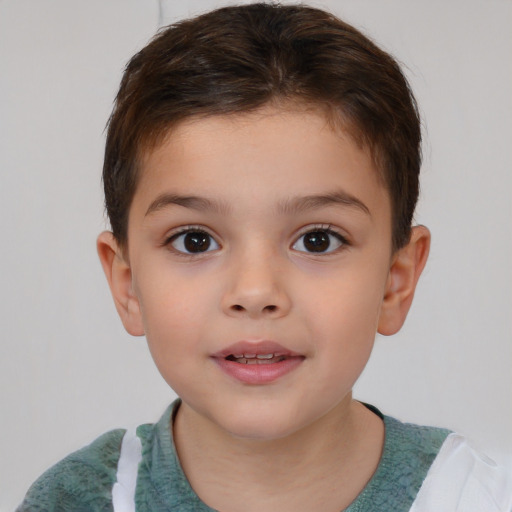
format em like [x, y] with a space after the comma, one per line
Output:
[320, 228]
[168, 242]
[325, 229]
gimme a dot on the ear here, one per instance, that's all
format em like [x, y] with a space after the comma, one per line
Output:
[406, 267]
[119, 277]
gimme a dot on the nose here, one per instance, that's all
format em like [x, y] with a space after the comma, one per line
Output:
[256, 288]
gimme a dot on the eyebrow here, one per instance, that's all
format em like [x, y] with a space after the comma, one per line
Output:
[294, 205]
[193, 202]
[312, 202]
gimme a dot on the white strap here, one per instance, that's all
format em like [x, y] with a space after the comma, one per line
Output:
[123, 491]
[463, 480]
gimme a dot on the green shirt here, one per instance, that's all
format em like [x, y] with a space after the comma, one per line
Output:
[83, 481]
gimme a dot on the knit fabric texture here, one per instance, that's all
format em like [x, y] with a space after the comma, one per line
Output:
[83, 481]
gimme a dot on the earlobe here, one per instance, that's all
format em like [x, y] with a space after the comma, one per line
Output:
[119, 276]
[406, 267]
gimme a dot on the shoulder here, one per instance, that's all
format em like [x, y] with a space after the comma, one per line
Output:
[411, 449]
[429, 439]
[429, 468]
[463, 479]
[408, 452]
[81, 482]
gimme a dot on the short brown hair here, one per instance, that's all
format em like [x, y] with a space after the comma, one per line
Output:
[237, 59]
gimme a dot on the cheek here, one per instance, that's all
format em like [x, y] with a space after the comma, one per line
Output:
[173, 325]
[173, 310]
[166, 293]
[350, 300]
[346, 327]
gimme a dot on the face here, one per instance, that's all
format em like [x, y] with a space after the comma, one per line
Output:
[259, 255]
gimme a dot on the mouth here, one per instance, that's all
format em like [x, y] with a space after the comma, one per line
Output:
[255, 358]
[257, 363]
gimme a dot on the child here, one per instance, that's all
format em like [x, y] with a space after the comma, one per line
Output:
[261, 173]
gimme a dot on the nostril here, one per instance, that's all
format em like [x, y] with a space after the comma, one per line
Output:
[270, 308]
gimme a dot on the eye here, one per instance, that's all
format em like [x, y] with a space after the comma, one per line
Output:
[193, 241]
[319, 240]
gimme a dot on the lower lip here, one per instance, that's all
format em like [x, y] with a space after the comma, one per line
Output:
[258, 373]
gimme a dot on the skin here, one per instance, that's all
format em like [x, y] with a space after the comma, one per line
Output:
[289, 443]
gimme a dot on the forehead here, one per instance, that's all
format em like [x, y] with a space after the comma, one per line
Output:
[265, 155]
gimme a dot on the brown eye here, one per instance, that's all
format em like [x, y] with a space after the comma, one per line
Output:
[193, 242]
[319, 241]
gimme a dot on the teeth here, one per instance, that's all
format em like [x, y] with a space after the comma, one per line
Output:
[253, 356]
[257, 358]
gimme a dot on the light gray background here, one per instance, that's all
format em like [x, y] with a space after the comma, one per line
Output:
[69, 372]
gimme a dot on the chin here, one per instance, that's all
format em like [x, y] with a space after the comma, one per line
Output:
[260, 425]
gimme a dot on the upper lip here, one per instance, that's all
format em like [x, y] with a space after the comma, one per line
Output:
[255, 348]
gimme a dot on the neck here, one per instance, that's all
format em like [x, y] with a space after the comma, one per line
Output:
[296, 472]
